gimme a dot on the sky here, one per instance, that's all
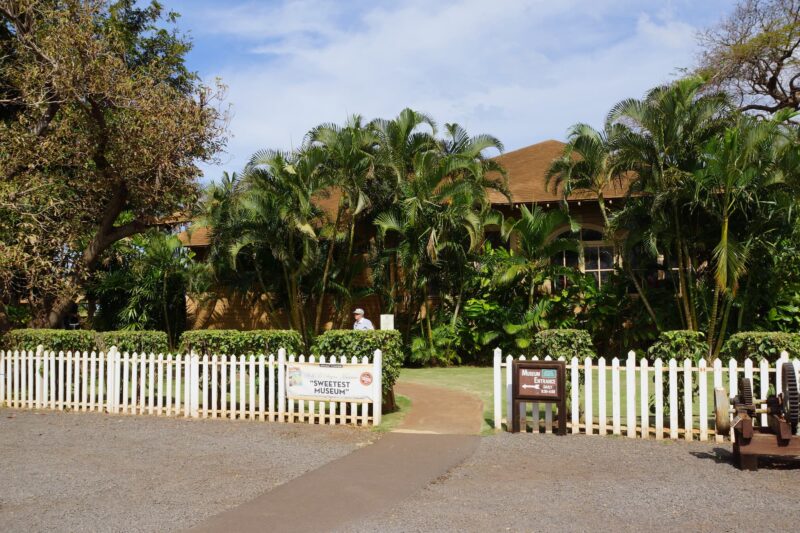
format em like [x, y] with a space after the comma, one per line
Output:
[521, 70]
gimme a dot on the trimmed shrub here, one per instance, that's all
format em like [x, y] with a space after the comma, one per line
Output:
[567, 343]
[681, 344]
[760, 345]
[351, 343]
[133, 341]
[52, 339]
[235, 342]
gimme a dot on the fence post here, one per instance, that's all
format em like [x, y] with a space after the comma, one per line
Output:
[575, 387]
[630, 382]
[281, 384]
[498, 401]
[377, 391]
[194, 393]
[109, 379]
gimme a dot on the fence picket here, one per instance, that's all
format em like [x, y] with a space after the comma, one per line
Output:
[587, 395]
[509, 393]
[630, 387]
[576, 391]
[204, 398]
[242, 388]
[601, 396]
[126, 369]
[232, 379]
[523, 422]
[615, 397]
[658, 380]
[673, 399]
[497, 386]
[718, 437]
[688, 412]
[70, 373]
[271, 387]
[764, 371]
[45, 372]
[223, 386]
[135, 361]
[644, 398]
[261, 391]
[252, 385]
[702, 376]
[289, 402]
[282, 384]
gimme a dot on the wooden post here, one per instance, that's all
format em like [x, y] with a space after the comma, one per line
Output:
[281, 384]
[498, 402]
[377, 388]
[630, 387]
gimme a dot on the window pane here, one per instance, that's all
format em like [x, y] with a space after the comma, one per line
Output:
[596, 278]
[571, 259]
[606, 257]
[591, 235]
[557, 259]
[590, 255]
[604, 276]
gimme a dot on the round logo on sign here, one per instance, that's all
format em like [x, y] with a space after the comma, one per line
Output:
[366, 378]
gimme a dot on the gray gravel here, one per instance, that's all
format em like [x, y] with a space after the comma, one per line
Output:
[580, 483]
[96, 472]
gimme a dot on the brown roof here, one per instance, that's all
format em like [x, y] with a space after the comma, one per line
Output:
[526, 169]
[196, 236]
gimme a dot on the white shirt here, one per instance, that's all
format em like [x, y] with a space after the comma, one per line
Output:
[364, 324]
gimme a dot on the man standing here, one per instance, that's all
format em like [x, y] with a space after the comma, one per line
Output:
[361, 322]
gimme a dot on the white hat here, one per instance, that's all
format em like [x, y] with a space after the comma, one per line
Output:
[358, 311]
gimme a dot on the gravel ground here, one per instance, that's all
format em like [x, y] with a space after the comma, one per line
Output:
[96, 472]
[580, 483]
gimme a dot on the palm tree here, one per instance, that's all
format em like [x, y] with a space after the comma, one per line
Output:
[277, 221]
[350, 162]
[658, 139]
[588, 163]
[741, 167]
[530, 261]
[441, 216]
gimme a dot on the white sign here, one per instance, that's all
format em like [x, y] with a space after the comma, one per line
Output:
[387, 321]
[321, 381]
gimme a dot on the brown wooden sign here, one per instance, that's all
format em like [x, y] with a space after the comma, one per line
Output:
[539, 381]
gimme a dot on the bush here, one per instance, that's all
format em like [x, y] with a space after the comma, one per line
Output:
[760, 345]
[133, 341]
[52, 339]
[234, 342]
[567, 343]
[347, 342]
[680, 344]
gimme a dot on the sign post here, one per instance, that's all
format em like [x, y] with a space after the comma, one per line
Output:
[539, 381]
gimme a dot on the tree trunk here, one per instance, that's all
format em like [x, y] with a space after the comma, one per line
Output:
[326, 273]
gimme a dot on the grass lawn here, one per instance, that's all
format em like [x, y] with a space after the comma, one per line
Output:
[478, 381]
[390, 420]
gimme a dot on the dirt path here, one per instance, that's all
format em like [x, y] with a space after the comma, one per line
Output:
[438, 410]
[438, 434]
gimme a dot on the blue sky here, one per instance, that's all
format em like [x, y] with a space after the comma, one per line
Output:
[522, 70]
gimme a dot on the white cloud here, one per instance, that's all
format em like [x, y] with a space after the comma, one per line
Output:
[523, 71]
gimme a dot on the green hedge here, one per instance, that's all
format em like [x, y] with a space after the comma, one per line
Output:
[679, 344]
[234, 342]
[567, 343]
[52, 339]
[760, 345]
[133, 341]
[350, 342]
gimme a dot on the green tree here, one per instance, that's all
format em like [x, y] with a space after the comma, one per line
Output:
[101, 126]
[658, 140]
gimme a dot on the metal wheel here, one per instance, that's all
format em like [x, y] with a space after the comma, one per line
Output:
[746, 395]
[722, 410]
[791, 397]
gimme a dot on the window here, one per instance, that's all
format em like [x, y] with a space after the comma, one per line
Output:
[595, 256]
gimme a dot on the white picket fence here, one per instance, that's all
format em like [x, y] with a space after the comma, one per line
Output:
[596, 385]
[217, 386]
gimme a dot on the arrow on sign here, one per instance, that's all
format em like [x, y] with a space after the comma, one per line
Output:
[531, 386]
